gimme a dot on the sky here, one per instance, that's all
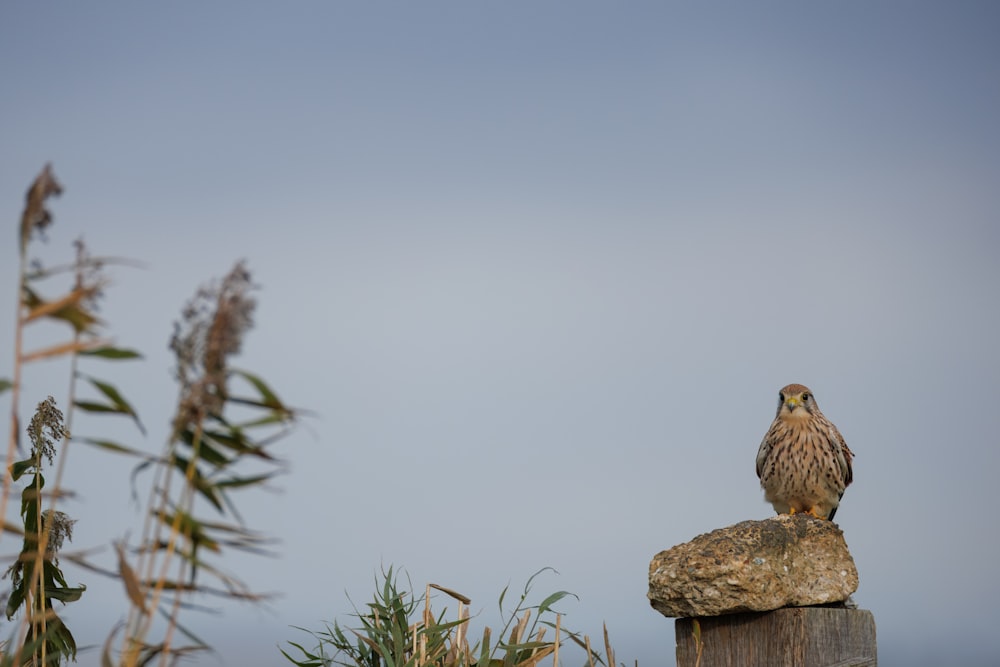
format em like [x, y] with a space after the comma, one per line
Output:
[538, 271]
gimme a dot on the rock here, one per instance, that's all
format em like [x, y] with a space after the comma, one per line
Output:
[784, 561]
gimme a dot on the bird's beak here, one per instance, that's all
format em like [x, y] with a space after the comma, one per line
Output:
[792, 402]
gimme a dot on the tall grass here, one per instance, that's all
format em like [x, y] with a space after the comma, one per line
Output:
[400, 629]
[225, 422]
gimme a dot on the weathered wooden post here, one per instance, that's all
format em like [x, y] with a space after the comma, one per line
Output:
[771, 593]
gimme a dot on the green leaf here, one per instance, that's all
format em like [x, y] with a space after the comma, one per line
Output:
[53, 576]
[21, 467]
[310, 659]
[547, 603]
[15, 600]
[236, 482]
[92, 406]
[60, 636]
[5, 384]
[65, 595]
[267, 397]
[270, 419]
[522, 646]
[206, 451]
[112, 446]
[202, 485]
[113, 353]
[29, 503]
[192, 528]
[118, 403]
[237, 441]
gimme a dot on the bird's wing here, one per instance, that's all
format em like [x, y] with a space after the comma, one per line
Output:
[763, 452]
[844, 456]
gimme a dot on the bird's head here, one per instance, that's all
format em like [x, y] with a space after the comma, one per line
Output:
[796, 402]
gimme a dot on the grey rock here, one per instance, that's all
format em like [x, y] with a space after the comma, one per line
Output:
[784, 561]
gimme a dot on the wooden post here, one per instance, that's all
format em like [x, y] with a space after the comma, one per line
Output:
[789, 637]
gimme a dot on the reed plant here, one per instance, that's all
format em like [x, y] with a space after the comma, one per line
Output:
[226, 421]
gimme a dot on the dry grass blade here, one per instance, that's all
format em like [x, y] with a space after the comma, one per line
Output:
[371, 643]
[14, 528]
[461, 645]
[428, 618]
[64, 307]
[106, 659]
[609, 654]
[455, 594]
[521, 626]
[537, 656]
[133, 588]
[77, 346]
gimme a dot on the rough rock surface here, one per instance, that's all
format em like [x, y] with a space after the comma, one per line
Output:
[784, 561]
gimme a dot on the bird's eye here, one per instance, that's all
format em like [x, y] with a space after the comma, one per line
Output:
[806, 397]
[781, 397]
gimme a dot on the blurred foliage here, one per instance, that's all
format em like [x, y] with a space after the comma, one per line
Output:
[226, 419]
[225, 422]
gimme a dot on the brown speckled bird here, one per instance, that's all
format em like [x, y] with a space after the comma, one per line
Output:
[803, 463]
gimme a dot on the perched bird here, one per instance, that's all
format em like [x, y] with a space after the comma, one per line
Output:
[803, 463]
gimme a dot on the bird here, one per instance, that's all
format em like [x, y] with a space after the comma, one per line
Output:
[803, 463]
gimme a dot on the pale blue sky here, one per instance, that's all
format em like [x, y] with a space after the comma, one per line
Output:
[540, 270]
